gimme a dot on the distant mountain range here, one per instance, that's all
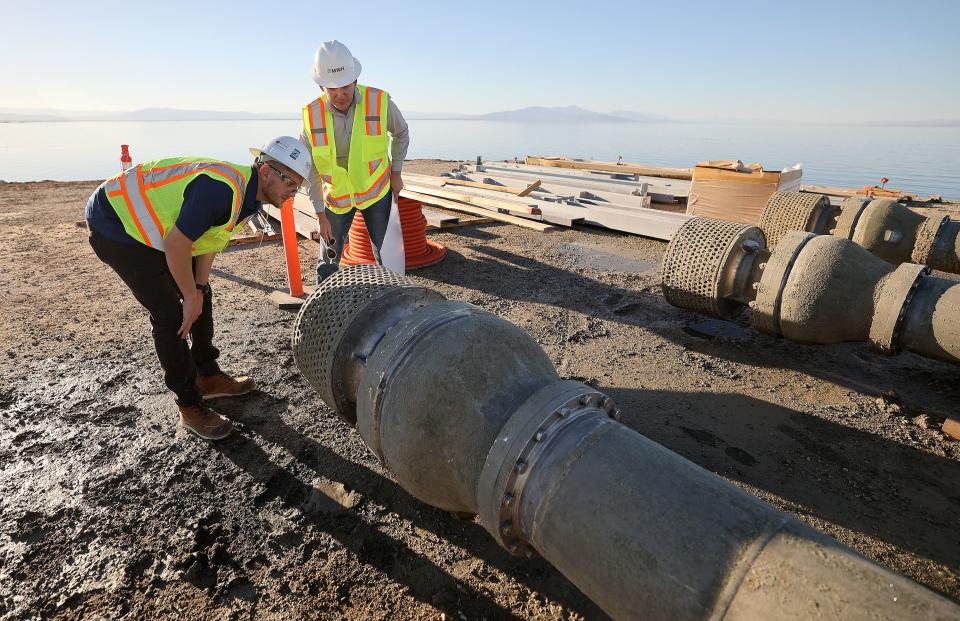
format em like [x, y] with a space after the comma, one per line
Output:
[541, 114]
[535, 114]
[145, 114]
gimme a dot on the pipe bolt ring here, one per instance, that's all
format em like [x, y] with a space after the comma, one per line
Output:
[526, 461]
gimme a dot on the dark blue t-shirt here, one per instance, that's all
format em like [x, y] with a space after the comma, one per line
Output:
[207, 203]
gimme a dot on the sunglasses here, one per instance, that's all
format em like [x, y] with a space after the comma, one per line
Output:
[291, 184]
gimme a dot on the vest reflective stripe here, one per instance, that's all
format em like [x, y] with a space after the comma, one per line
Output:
[377, 187]
[318, 110]
[151, 231]
[373, 120]
[167, 174]
[365, 177]
[149, 196]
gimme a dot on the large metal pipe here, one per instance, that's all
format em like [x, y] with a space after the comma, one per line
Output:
[469, 415]
[884, 227]
[812, 289]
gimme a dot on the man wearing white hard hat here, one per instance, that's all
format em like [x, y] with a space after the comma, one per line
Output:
[159, 225]
[356, 166]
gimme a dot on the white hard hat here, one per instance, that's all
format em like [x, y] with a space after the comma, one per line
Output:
[288, 151]
[334, 66]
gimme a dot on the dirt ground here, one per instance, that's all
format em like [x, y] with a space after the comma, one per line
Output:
[110, 510]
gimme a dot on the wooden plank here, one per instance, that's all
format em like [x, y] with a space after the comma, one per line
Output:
[625, 168]
[285, 301]
[253, 239]
[479, 211]
[305, 225]
[639, 220]
[951, 427]
[461, 222]
[519, 192]
[437, 219]
[675, 188]
[473, 199]
[660, 225]
[866, 192]
[530, 188]
[560, 188]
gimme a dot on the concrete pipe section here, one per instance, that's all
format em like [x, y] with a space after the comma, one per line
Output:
[812, 289]
[886, 228]
[468, 414]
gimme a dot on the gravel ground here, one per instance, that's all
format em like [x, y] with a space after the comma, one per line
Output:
[109, 509]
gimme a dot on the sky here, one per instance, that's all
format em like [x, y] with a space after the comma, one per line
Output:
[811, 61]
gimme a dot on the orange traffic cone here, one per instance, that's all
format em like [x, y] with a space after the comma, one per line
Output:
[420, 252]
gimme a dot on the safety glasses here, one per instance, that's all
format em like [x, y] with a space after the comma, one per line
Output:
[291, 184]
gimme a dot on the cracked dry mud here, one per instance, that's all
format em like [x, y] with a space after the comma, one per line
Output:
[108, 509]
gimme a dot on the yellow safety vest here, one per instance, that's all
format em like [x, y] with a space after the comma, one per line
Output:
[148, 198]
[366, 179]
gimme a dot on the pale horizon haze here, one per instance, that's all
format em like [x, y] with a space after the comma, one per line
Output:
[857, 62]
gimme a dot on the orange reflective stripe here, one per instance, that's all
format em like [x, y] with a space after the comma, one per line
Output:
[114, 194]
[379, 101]
[146, 201]
[313, 136]
[157, 184]
[369, 120]
[236, 197]
[374, 189]
[196, 168]
[133, 214]
[323, 121]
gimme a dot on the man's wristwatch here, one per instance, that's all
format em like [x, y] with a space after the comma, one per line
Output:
[204, 288]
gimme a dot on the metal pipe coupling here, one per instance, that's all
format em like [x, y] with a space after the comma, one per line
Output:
[812, 289]
[886, 228]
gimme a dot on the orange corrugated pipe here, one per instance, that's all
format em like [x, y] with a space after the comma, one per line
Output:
[420, 252]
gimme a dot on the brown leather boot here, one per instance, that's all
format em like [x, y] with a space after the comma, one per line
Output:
[222, 385]
[204, 422]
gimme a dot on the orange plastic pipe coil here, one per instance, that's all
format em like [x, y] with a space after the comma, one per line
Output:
[420, 252]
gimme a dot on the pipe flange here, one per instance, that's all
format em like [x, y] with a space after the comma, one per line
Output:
[765, 309]
[892, 305]
[521, 443]
[794, 211]
[927, 236]
[850, 211]
[699, 263]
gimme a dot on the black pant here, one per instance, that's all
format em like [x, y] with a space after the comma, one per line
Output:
[145, 271]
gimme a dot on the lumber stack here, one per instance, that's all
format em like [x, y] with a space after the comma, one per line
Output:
[615, 167]
[524, 192]
[543, 199]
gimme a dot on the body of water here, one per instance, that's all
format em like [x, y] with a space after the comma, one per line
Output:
[925, 160]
